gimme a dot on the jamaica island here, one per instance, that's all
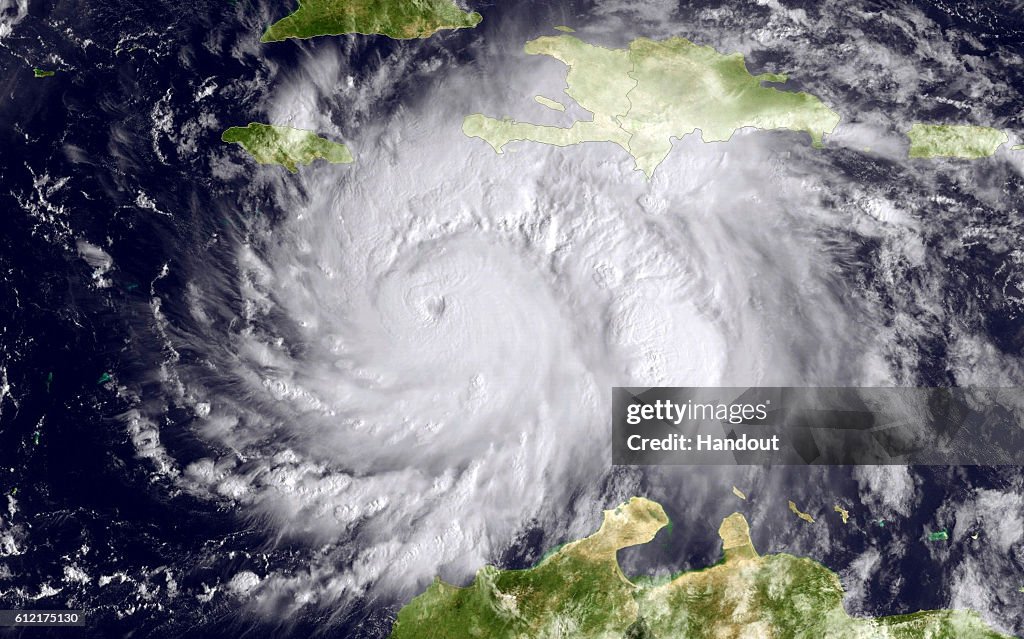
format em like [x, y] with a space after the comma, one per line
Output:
[272, 144]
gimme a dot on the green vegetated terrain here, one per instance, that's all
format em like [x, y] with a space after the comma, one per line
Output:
[398, 19]
[269, 144]
[579, 591]
[656, 90]
[42, 73]
[954, 141]
[549, 103]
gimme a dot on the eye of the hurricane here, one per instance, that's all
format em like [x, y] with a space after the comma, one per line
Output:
[467, 313]
[431, 307]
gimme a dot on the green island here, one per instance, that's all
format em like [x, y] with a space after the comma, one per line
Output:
[954, 141]
[799, 513]
[844, 514]
[644, 96]
[42, 73]
[549, 103]
[269, 144]
[580, 591]
[398, 19]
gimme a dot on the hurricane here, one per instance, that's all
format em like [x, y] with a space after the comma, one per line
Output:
[367, 376]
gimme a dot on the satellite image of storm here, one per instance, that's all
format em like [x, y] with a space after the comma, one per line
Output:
[512, 319]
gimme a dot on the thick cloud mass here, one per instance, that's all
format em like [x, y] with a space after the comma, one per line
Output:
[429, 337]
[420, 361]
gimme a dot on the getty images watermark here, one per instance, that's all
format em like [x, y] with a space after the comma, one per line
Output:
[779, 425]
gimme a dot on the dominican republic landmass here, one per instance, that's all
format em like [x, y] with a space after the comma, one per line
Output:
[580, 591]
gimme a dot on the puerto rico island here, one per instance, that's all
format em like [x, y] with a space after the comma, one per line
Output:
[954, 141]
[398, 19]
[580, 591]
[656, 90]
[269, 144]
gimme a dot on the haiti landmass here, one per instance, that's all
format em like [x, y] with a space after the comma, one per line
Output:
[656, 90]
[580, 591]
[398, 19]
[270, 144]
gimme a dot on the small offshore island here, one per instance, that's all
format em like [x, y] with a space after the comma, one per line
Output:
[580, 591]
[269, 144]
[954, 141]
[398, 19]
[656, 90]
